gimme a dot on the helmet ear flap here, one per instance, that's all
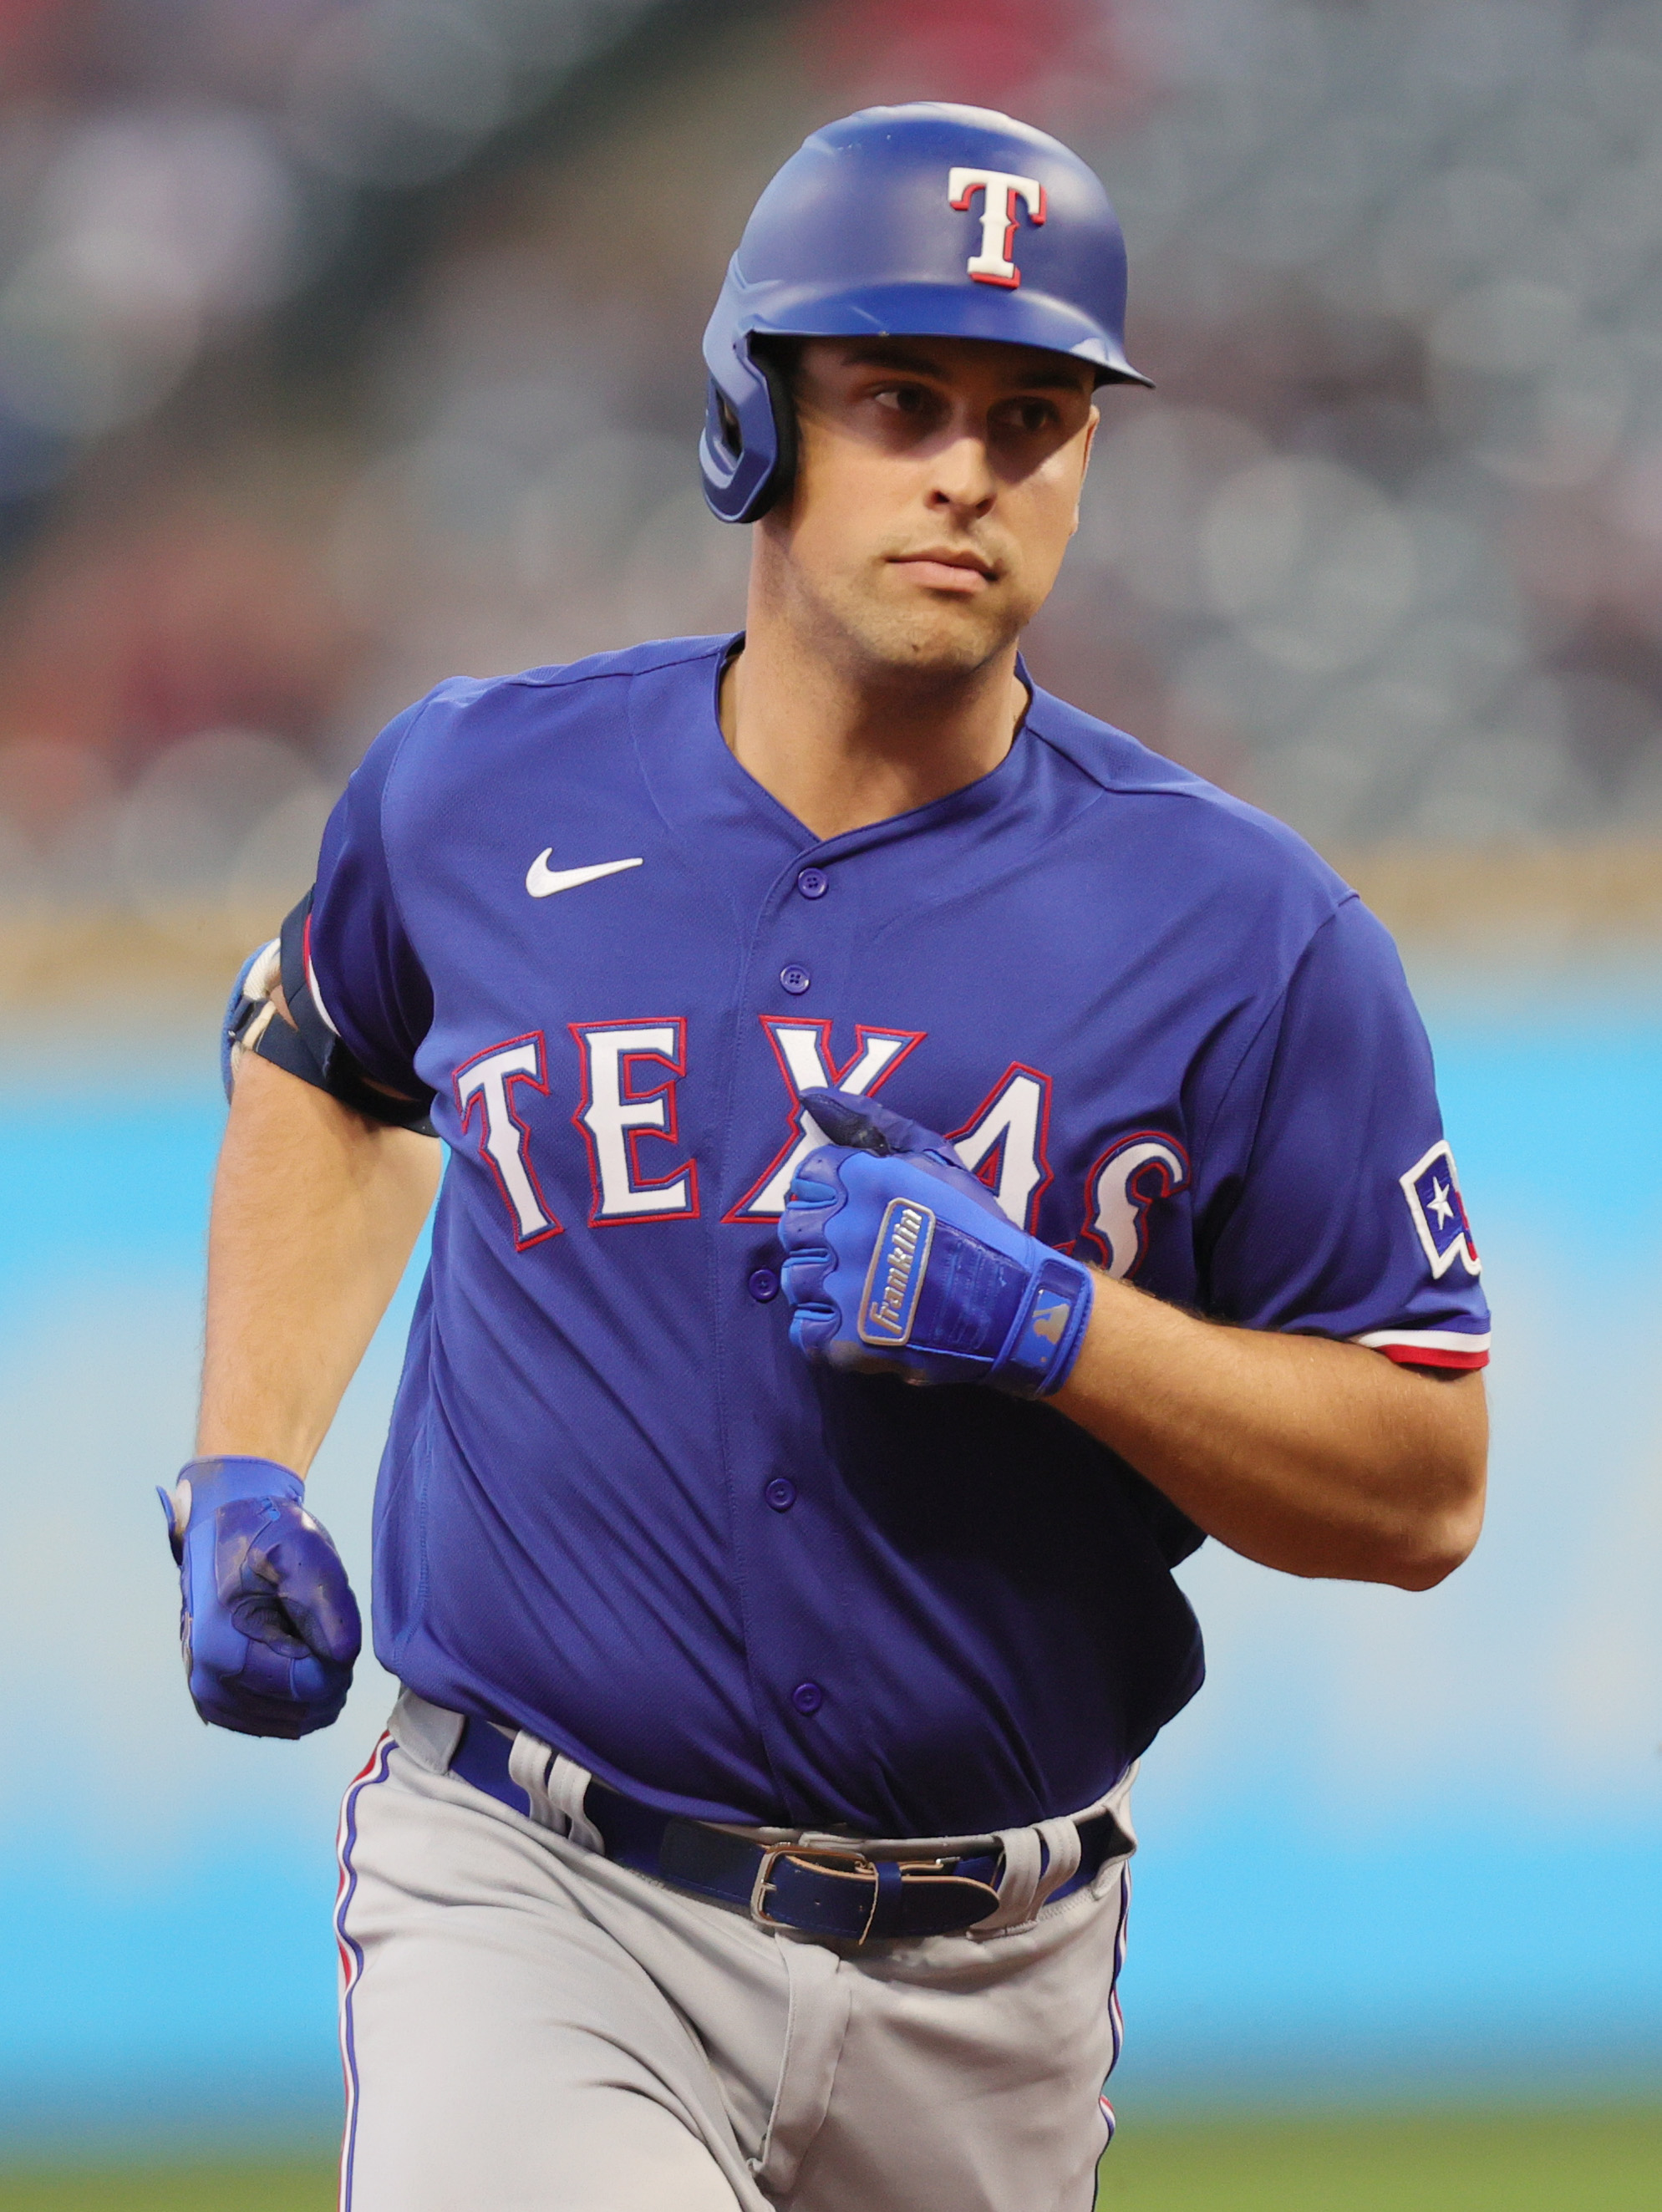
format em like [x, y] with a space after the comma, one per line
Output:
[748, 453]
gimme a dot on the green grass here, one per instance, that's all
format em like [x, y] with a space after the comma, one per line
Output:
[1579, 2161]
[267, 2188]
[1524, 2161]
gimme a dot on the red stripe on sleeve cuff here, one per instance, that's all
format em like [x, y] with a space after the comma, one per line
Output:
[1429, 1348]
[1420, 1355]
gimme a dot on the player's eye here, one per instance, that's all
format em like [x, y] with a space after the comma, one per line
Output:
[913, 399]
[1030, 418]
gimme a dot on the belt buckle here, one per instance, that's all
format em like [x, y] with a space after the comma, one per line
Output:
[853, 1862]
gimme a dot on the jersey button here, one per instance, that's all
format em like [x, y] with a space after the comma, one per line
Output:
[813, 883]
[795, 980]
[781, 1493]
[763, 1286]
[808, 1697]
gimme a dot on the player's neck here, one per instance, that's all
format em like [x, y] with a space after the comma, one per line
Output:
[840, 748]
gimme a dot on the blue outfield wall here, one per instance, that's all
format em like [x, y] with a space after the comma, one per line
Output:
[1399, 1846]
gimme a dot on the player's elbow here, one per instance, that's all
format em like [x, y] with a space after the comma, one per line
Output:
[1441, 1537]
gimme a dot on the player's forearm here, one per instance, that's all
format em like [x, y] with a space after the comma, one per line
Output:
[315, 1213]
[1313, 1457]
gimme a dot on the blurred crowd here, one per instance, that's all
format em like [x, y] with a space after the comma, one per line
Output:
[346, 345]
[1386, 554]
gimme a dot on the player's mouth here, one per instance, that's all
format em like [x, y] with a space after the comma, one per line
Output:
[948, 568]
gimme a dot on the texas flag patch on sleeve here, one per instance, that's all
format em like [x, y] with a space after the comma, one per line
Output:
[1448, 1253]
[1432, 1188]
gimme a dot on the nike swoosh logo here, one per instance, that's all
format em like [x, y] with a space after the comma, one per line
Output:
[541, 881]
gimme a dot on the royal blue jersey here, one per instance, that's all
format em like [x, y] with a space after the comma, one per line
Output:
[617, 1508]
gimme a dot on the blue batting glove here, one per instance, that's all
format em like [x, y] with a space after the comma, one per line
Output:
[269, 1625]
[897, 1257]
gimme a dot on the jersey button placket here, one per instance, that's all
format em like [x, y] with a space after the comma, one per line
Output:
[811, 884]
[778, 1492]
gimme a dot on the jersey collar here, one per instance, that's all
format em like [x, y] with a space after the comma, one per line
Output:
[701, 787]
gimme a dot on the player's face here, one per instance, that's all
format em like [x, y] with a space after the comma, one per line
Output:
[937, 489]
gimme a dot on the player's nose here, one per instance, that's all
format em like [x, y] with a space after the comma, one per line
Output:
[962, 481]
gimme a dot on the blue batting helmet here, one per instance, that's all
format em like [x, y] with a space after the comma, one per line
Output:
[926, 221]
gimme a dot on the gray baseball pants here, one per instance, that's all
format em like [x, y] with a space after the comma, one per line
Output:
[528, 2027]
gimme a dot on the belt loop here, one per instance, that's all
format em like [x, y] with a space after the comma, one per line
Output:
[1037, 1862]
[1018, 1882]
[555, 1787]
[567, 1786]
[529, 1760]
[1063, 1852]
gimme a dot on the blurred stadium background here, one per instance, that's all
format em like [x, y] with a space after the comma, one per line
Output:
[346, 344]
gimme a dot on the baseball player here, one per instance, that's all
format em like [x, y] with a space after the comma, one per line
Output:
[802, 1016]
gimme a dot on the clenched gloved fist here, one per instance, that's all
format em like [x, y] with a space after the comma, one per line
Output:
[269, 1625]
[897, 1257]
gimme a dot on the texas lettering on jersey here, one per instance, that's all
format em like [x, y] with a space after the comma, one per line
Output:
[1002, 1143]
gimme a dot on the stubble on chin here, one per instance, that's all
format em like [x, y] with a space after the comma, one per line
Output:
[920, 641]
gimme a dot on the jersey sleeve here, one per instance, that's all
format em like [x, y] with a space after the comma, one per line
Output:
[1332, 1204]
[366, 979]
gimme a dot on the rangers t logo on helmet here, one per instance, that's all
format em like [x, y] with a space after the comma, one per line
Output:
[994, 263]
